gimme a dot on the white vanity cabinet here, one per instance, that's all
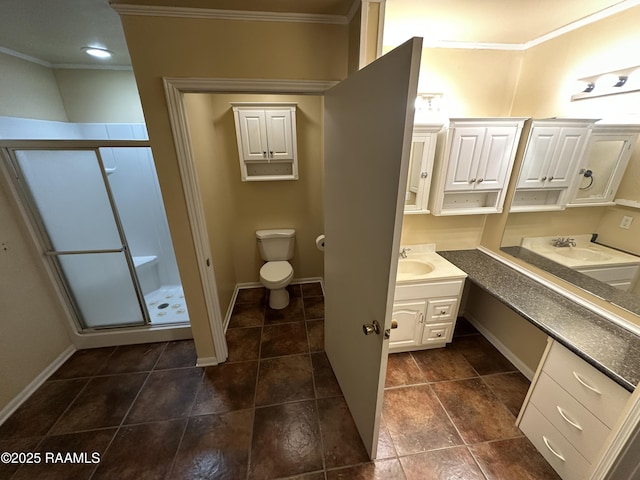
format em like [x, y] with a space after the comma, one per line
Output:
[569, 411]
[267, 145]
[423, 149]
[551, 160]
[472, 171]
[603, 165]
[425, 314]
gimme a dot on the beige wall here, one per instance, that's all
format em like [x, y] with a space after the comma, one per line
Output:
[548, 75]
[100, 96]
[29, 90]
[33, 332]
[183, 47]
[519, 336]
[234, 210]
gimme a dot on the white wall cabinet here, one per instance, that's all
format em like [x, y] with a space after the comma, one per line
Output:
[472, 171]
[554, 150]
[423, 149]
[425, 315]
[569, 411]
[267, 141]
[605, 160]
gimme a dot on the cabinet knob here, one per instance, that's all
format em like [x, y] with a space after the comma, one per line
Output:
[271, 154]
[264, 154]
[550, 178]
[424, 174]
[438, 335]
[543, 178]
[480, 180]
[443, 312]
[473, 180]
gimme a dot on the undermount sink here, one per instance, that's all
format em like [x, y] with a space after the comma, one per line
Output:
[581, 253]
[414, 267]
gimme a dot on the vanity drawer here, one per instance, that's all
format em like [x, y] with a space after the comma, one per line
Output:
[442, 309]
[577, 424]
[437, 333]
[556, 449]
[594, 390]
[427, 290]
[611, 274]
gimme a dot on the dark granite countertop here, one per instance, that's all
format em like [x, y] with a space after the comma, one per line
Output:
[610, 348]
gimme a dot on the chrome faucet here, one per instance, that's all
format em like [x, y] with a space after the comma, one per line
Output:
[563, 242]
[403, 252]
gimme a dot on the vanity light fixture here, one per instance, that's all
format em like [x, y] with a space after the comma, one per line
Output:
[97, 52]
[609, 83]
[428, 102]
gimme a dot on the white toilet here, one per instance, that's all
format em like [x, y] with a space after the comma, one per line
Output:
[276, 247]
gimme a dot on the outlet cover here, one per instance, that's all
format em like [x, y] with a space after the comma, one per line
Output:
[626, 222]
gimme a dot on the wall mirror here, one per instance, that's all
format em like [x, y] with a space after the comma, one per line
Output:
[605, 204]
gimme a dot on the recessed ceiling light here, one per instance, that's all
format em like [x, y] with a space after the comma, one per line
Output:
[97, 52]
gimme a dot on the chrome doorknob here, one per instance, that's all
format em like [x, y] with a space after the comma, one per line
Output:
[373, 327]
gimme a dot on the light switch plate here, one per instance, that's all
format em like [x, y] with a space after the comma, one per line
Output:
[626, 222]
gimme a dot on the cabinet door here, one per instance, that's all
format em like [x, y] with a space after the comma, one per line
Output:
[410, 318]
[496, 158]
[564, 168]
[279, 134]
[464, 157]
[540, 149]
[253, 134]
[420, 168]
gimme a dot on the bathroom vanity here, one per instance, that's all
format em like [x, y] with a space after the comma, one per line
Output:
[427, 299]
[613, 267]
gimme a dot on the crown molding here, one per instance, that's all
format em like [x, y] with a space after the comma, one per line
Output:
[26, 57]
[474, 45]
[183, 12]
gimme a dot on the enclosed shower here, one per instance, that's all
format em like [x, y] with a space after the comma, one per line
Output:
[98, 216]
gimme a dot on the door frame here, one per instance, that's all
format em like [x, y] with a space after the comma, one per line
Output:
[175, 88]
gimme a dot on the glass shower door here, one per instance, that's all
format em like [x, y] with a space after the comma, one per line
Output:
[74, 209]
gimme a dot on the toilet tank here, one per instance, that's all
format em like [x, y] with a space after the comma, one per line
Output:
[276, 244]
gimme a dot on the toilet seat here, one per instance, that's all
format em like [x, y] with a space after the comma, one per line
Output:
[275, 273]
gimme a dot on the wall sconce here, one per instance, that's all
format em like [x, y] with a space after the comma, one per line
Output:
[611, 83]
[428, 102]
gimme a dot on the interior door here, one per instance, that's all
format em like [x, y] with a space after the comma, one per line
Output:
[368, 127]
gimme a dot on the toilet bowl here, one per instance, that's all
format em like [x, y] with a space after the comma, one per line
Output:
[276, 247]
[275, 276]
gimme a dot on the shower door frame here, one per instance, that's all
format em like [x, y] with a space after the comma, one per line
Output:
[30, 211]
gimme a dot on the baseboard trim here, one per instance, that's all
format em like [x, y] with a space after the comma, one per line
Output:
[42, 377]
[207, 362]
[512, 357]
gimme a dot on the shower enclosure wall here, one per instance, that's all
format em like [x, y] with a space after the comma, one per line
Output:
[98, 212]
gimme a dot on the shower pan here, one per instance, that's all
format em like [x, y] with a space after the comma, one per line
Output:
[98, 214]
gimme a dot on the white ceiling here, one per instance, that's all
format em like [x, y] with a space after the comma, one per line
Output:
[54, 31]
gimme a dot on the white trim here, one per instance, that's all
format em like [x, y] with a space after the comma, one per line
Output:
[244, 85]
[232, 302]
[213, 14]
[633, 328]
[473, 45]
[602, 14]
[504, 350]
[78, 66]
[24, 56]
[207, 362]
[36, 383]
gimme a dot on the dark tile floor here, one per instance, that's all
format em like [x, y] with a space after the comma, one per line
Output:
[274, 409]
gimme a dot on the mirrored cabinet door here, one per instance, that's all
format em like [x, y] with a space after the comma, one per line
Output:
[423, 148]
[605, 160]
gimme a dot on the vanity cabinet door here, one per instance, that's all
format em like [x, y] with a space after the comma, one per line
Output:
[496, 158]
[540, 148]
[564, 168]
[423, 147]
[409, 316]
[464, 158]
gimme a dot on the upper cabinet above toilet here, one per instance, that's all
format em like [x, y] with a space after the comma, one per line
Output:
[267, 144]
